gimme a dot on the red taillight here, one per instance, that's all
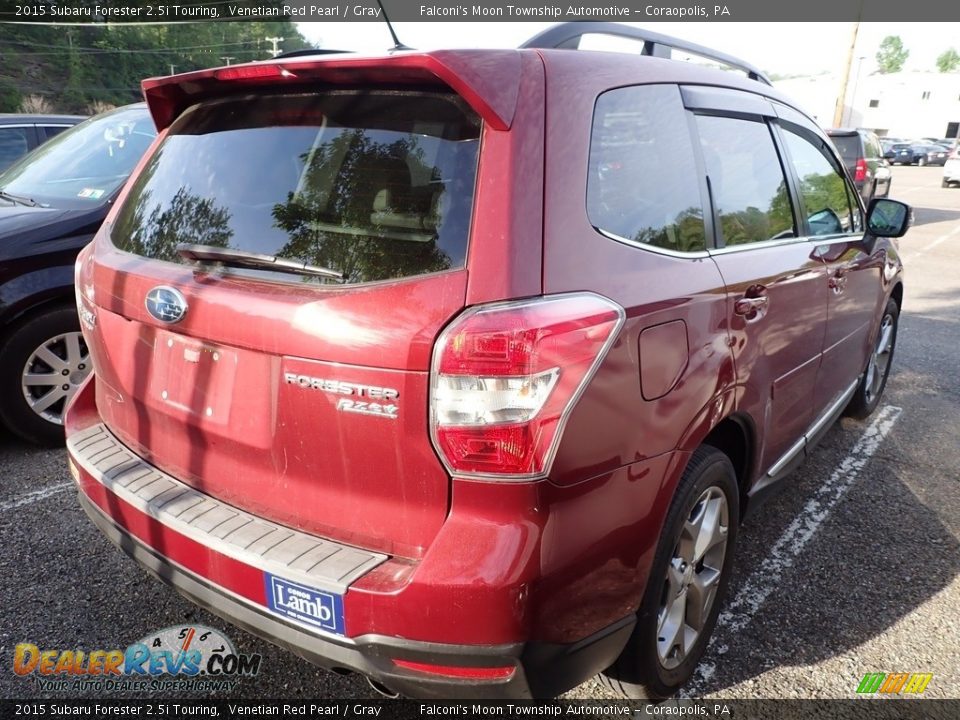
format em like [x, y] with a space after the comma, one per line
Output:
[251, 72]
[861, 172]
[505, 376]
[458, 671]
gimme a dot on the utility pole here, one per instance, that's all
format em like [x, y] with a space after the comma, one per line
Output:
[227, 58]
[856, 84]
[275, 41]
[848, 66]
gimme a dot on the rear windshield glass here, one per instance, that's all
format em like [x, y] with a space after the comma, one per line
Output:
[848, 146]
[373, 184]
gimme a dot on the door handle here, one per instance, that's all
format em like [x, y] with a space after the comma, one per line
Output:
[751, 307]
[838, 281]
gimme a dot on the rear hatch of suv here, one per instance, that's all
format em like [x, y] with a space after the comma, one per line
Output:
[297, 388]
[850, 146]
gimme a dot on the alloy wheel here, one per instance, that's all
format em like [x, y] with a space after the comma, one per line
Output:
[693, 576]
[880, 359]
[53, 373]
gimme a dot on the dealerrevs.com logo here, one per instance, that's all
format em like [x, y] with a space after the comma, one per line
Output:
[181, 658]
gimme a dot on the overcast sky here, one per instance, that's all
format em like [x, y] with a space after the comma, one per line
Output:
[784, 48]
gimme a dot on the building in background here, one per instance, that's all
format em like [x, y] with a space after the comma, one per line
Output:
[909, 105]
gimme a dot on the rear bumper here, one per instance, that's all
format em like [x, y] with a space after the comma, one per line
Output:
[541, 669]
[576, 623]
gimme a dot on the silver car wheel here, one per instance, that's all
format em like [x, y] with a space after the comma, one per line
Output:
[879, 360]
[693, 576]
[53, 373]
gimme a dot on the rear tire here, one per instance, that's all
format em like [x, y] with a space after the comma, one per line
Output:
[944, 183]
[686, 585]
[921, 162]
[867, 396]
[43, 361]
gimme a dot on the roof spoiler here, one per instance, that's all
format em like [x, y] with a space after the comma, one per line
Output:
[490, 87]
[568, 35]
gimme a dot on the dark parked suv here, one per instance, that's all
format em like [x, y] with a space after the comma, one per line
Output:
[863, 157]
[459, 369]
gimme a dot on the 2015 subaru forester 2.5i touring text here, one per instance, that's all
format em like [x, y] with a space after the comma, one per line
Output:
[459, 369]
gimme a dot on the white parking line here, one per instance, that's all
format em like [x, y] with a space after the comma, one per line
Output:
[35, 496]
[766, 578]
[931, 246]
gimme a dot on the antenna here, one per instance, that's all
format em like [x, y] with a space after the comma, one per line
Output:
[397, 45]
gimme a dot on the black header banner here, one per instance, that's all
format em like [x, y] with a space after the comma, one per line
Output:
[301, 709]
[118, 11]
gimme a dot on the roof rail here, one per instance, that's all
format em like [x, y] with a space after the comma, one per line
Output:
[567, 35]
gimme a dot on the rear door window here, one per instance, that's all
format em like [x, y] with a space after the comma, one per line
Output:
[374, 184]
[746, 181]
[50, 131]
[643, 183]
[14, 143]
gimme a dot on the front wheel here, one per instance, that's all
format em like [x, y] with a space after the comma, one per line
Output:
[921, 162]
[686, 585]
[866, 398]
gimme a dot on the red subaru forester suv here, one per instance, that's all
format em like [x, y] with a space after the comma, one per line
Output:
[459, 369]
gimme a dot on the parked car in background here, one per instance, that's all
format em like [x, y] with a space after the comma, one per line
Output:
[921, 154]
[936, 154]
[19, 134]
[863, 159]
[51, 203]
[388, 376]
[892, 149]
[951, 169]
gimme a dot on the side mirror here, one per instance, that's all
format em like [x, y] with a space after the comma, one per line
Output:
[825, 222]
[888, 218]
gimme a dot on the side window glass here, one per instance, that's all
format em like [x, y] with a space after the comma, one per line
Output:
[13, 144]
[643, 184]
[50, 131]
[746, 180]
[823, 188]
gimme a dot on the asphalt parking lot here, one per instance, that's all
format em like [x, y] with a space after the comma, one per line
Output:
[852, 569]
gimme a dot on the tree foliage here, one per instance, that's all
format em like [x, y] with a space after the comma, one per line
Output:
[948, 61]
[77, 66]
[892, 54]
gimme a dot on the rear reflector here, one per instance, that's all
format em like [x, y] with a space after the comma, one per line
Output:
[505, 376]
[466, 673]
[248, 72]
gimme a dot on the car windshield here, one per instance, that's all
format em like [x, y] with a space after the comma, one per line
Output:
[84, 166]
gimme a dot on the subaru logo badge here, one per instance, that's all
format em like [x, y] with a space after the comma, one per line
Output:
[166, 304]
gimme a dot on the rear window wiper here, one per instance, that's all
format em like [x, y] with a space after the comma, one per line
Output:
[257, 261]
[29, 202]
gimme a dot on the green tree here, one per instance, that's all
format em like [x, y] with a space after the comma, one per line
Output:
[74, 66]
[892, 54]
[948, 61]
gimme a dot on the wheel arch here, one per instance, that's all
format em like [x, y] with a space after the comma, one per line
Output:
[897, 295]
[734, 436]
